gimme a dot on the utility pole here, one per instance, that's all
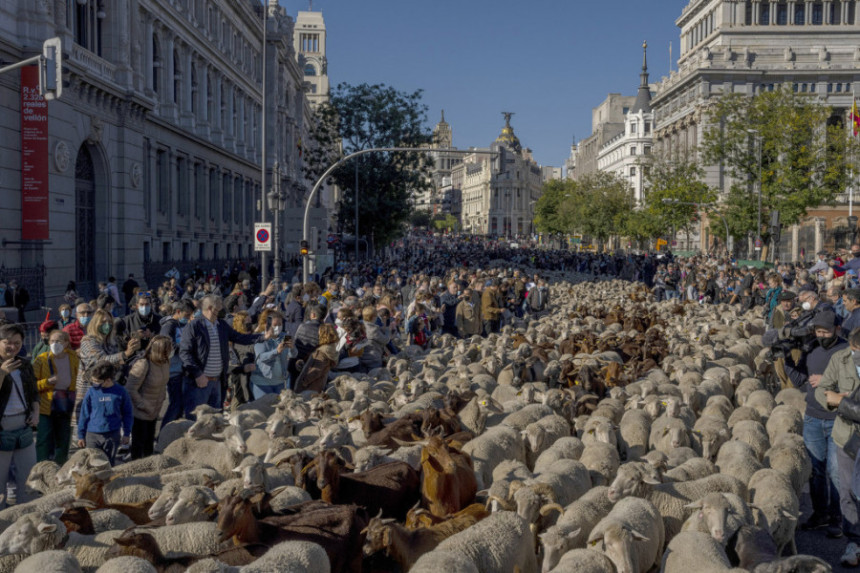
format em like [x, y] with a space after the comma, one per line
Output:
[263, 259]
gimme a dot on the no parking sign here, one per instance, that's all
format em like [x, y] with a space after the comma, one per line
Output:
[262, 236]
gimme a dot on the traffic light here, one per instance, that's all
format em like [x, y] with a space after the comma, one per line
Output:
[51, 78]
[774, 225]
[304, 248]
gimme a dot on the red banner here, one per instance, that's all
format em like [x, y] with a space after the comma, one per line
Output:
[34, 158]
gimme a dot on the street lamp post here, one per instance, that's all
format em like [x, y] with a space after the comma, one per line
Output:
[758, 139]
[669, 201]
[276, 204]
[263, 262]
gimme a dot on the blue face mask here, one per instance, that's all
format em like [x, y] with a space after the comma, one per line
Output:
[84, 320]
[183, 321]
[198, 313]
[144, 310]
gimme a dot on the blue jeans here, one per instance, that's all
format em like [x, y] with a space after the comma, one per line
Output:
[194, 396]
[672, 293]
[258, 391]
[824, 483]
[175, 401]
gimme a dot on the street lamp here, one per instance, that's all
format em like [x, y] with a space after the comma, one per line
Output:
[263, 262]
[758, 138]
[277, 202]
[669, 201]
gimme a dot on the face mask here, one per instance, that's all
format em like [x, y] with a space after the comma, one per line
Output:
[183, 321]
[57, 348]
[276, 330]
[64, 314]
[84, 320]
[105, 329]
[338, 321]
[806, 306]
[144, 310]
[198, 313]
[306, 298]
[826, 341]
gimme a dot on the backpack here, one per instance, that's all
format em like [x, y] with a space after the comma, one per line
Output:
[122, 377]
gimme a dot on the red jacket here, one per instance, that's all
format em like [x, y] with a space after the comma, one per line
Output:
[75, 334]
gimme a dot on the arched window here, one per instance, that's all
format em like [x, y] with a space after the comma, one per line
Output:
[177, 77]
[193, 88]
[87, 18]
[156, 63]
[310, 70]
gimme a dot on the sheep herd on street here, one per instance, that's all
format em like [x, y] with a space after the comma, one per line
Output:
[610, 433]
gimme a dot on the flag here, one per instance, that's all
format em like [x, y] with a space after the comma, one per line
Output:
[855, 119]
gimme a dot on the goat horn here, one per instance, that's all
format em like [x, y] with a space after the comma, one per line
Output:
[416, 506]
[404, 443]
[84, 502]
[544, 511]
[504, 503]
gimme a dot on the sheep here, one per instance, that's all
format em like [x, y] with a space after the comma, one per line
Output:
[784, 419]
[743, 413]
[602, 461]
[670, 499]
[490, 448]
[599, 429]
[172, 432]
[193, 503]
[156, 463]
[573, 526]
[633, 435]
[521, 418]
[109, 520]
[673, 434]
[436, 561]
[164, 502]
[694, 551]
[32, 533]
[501, 542]
[693, 469]
[221, 456]
[746, 387]
[258, 475]
[144, 545]
[292, 557]
[43, 477]
[796, 564]
[50, 562]
[754, 434]
[717, 407]
[541, 435]
[583, 561]
[738, 459]
[773, 493]
[709, 435]
[41, 505]
[569, 447]
[792, 397]
[632, 535]
[751, 546]
[127, 564]
[288, 496]
[372, 456]
[720, 515]
[82, 461]
[789, 457]
[762, 401]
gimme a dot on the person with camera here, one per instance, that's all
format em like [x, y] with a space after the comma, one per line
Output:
[273, 353]
[19, 412]
[805, 374]
[142, 324]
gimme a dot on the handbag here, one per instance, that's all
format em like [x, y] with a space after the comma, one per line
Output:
[11, 440]
[63, 401]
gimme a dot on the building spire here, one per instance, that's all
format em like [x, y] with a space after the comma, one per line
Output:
[643, 96]
[644, 75]
[443, 116]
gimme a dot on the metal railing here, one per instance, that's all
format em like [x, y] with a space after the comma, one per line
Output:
[154, 272]
[31, 278]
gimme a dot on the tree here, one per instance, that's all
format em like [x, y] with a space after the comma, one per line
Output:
[365, 117]
[420, 218]
[804, 155]
[446, 222]
[673, 189]
[550, 208]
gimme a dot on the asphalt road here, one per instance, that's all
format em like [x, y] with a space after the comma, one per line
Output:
[818, 544]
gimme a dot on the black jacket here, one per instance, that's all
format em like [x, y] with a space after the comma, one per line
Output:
[31, 391]
[293, 317]
[194, 348]
[307, 338]
[128, 325]
[19, 298]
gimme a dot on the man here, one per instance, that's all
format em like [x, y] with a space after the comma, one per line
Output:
[171, 327]
[805, 375]
[834, 297]
[78, 329]
[449, 301]
[18, 297]
[820, 265]
[128, 291]
[113, 291]
[851, 299]
[784, 305]
[378, 336]
[307, 339]
[143, 322]
[854, 263]
[537, 298]
[841, 378]
[491, 307]
[672, 279]
[205, 358]
[468, 317]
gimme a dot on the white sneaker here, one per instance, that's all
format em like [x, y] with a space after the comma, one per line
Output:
[849, 558]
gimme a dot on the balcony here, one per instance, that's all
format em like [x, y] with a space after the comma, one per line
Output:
[94, 65]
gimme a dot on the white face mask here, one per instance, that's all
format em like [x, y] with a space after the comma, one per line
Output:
[806, 306]
[57, 348]
[276, 330]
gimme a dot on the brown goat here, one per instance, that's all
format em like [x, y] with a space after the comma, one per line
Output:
[407, 428]
[393, 487]
[336, 528]
[143, 545]
[78, 519]
[407, 545]
[420, 517]
[90, 487]
[448, 483]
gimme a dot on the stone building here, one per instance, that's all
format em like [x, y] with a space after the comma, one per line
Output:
[624, 153]
[498, 192]
[749, 46]
[607, 122]
[154, 147]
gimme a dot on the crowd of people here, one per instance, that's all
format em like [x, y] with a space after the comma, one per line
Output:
[113, 369]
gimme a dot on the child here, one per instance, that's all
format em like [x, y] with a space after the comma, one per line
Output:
[106, 408]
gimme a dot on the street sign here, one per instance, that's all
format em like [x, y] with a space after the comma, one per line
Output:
[758, 244]
[262, 237]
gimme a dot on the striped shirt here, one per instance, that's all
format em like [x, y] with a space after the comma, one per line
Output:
[214, 363]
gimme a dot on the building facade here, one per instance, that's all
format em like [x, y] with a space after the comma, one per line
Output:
[155, 146]
[624, 153]
[607, 122]
[310, 44]
[498, 192]
[749, 46]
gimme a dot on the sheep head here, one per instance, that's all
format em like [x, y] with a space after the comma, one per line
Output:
[713, 512]
[555, 544]
[618, 543]
[632, 480]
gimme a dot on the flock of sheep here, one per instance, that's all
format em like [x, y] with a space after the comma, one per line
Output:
[609, 434]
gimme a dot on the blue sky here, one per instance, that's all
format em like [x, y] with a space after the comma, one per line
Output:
[549, 61]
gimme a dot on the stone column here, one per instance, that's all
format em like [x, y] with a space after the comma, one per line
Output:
[148, 60]
[203, 118]
[827, 6]
[150, 189]
[230, 136]
[791, 7]
[167, 98]
[173, 186]
[807, 13]
[774, 7]
[795, 238]
[217, 116]
[819, 233]
[756, 11]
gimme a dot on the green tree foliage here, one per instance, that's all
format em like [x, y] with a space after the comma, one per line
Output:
[672, 187]
[804, 153]
[364, 117]
[598, 205]
[420, 218]
[447, 222]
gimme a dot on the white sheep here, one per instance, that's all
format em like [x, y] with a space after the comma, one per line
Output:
[526, 415]
[631, 535]
[773, 494]
[599, 429]
[32, 533]
[738, 459]
[762, 401]
[754, 434]
[193, 503]
[694, 551]
[720, 515]
[500, 542]
[602, 461]
[127, 564]
[221, 456]
[172, 432]
[569, 448]
[43, 477]
[491, 448]
[258, 475]
[788, 456]
[692, 469]
[291, 557]
[368, 457]
[633, 435]
[583, 561]
[541, 435]
[55, 561]
[83, 461]
[573, 526]
[784, 419]
[709, 435]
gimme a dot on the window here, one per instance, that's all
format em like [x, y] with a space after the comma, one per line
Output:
[632, 172]
[310, 42]
[85, 19]
[838, 88]
[310, 70]
[177, 77]
[817, 13]
[647, 150]
[799, 14]
[193, 89]
[227, 198]
[812, 88]
[165, 251]
[237, 200]
[156, 63]
[199, 192]
[161, 181]
[782, 14]
[647, 127]
[182, 186]
[632, 150]
[214, 203]
[764, 15]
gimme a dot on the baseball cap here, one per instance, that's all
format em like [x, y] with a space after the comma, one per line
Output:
[824, 319]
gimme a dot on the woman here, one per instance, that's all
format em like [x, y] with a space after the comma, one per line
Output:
[241, 364]
[65, 316]
[314, 375]
[45, 330]
[273, 353]
[19, 407]
[100, 344]
[147, 385]
[56, 371]
[771, 297]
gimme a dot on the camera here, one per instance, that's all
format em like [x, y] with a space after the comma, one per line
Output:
[799, 334]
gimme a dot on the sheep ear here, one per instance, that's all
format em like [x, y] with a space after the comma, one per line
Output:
[104, 475]
[694, 505]
[638, 536]
[650, 480]
[238, 469]
[789, 515]
[574, 533]
[99, 463]
[47, 527]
